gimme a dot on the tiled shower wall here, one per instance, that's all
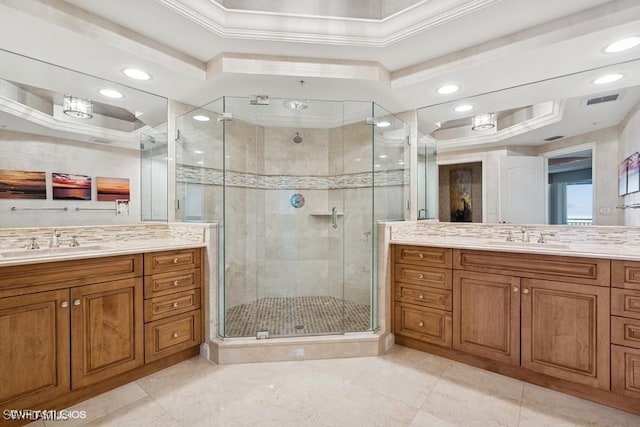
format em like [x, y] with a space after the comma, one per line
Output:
[274, 249]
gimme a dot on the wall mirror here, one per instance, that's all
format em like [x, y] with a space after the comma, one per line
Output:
[545, 152]
[72, 144]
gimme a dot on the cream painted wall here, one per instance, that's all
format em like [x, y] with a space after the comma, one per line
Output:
[30, 152]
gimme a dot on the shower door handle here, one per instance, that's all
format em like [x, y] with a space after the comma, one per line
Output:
[334, 217]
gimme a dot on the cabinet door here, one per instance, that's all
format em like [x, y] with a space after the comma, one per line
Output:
[565, 331]
[107, 330]
[34, 354]
[486, 315]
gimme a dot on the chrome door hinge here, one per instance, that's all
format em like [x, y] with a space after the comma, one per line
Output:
[177, 135]
[259, 100]
[225, 117]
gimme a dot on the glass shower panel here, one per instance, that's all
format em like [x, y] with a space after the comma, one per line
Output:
[154, 174]
[427, 173]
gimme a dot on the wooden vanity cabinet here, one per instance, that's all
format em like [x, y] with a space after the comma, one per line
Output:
[34, 355]
[422, 294]
[72, 329]
[625, 328]
[173, 319]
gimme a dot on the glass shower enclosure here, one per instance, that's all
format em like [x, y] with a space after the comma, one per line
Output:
[296, 187]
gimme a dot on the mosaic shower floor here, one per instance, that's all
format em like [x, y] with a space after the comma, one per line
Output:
[286, 316]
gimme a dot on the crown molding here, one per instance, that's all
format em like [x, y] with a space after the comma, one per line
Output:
[255, 25]
[544, 114]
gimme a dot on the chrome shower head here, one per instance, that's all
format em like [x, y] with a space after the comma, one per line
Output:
[297, 138]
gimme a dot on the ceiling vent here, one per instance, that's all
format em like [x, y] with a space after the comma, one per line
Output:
[553, 138]
[601, 99]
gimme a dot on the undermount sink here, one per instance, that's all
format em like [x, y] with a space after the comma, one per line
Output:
[31, 253]
[529, 245]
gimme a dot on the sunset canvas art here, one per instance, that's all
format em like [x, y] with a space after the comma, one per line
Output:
[110, 189]
[71, 187]
[15, 184]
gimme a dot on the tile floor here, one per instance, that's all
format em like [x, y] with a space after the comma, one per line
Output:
[403, 388]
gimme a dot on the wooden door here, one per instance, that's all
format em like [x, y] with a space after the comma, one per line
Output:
[107, 330]
[486, 315]
[565, 331]
[34, 354]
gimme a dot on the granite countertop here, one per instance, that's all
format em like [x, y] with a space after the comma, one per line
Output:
[582, 249]
[23, 256]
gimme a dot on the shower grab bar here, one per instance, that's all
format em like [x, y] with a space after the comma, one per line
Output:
[334, 217]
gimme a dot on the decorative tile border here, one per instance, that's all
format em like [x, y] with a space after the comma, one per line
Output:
[15, 238]
[570, 235]
[208, 176]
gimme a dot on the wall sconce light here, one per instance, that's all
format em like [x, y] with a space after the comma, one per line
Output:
[483, 121]
[77, 107]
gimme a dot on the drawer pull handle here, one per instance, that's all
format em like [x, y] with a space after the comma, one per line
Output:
[174, 305]
[421, 255]
[64, 304]
[515, 289]
[421, 296]
[176, 283]
[175, 260]
[525, 291]
[421, 323]
[421, 276]
[76, 302]
[176, 335]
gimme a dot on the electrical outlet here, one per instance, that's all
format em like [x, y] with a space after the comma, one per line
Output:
[298, 352]
[604, 210]
[262, 335]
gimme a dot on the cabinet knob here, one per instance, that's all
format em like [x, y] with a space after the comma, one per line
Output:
[421, 296]
[525, 291]
[176, 283]
[176, 335]
[76, 302]
[421, 323]
[174, 305]
[421, 255]
[64, 304]
[175, 260]
[421, 276]
[515, 289]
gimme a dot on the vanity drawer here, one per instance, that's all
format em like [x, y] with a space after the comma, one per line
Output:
[170, 305]
[625, 331]
[160, 262]
[424, 256]
[625, 371]
[424, 324]
[168, 283]
[171, 335]
[441, 299]
[433, 277]
[625, 274]
[625, 303]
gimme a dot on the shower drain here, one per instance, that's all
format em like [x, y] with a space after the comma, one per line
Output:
[298, 327]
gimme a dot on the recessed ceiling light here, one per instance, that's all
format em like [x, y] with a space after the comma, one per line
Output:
[463, 108]
[137, 74]
[200, 163]
[377, 166]
[110, 93]
[448, 89]
[609, 78]
[198, 152]
[356, 160]
[401, 162]
[383, 156]
[383, 124]
[624, 44]
[201, 118]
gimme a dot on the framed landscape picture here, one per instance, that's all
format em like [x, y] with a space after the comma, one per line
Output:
[67, 186]
[110, 189]
[15, 184]
[622, 178]
[633, 173]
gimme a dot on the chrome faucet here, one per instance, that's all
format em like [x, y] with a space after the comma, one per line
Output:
[54, 242]
[525, 234]
[74, 242]
[33, 245]
[541, 239]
